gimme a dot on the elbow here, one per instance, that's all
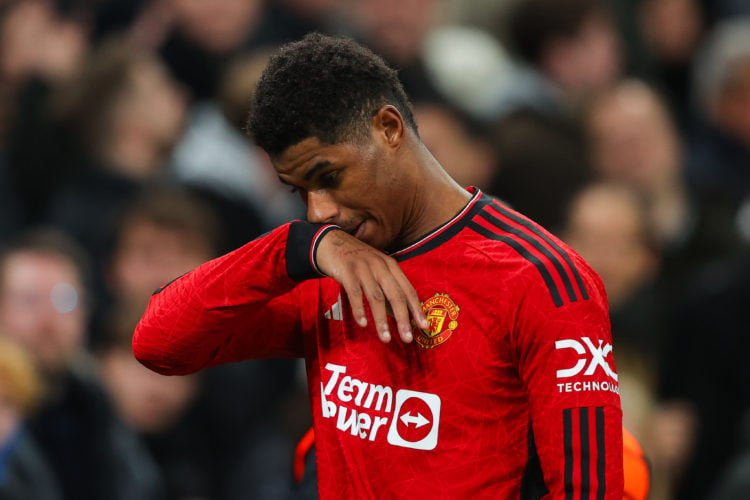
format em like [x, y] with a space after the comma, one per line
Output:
[150, 350]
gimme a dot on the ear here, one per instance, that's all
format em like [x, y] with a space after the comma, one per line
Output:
[388, 125]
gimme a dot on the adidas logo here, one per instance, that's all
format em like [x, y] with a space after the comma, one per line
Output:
[334, 312]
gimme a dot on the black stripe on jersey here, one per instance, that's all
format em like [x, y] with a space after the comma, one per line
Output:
[535, 229]
[448, 233]
[532, 484]
[546, 276]
[504, 226]
[159, 290]
[578, 449]
[585, 453]
[600, 463]
[568, 451]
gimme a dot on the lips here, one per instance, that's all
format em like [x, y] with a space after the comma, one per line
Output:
[359, 230]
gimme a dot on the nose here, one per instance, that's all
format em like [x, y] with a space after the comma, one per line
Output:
[321, 207]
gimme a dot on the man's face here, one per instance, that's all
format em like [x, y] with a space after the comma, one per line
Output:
[41, 307]
[359, 187]
[149, 255]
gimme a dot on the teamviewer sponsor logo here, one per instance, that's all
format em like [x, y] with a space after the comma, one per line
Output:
[592, 360]
[363, 409]
[416, 420]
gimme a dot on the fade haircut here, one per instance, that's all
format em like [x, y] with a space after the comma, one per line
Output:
[325, 87]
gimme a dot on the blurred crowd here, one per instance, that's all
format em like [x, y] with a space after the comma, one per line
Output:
[621, 125]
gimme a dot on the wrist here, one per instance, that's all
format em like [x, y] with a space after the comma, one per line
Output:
[302, 245]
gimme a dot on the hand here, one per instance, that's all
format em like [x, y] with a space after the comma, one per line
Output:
[360, 268]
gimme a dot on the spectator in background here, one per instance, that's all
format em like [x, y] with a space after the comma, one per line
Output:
[43, 306]
[194, 429]
[573, 48]
[204, 36]
[162, 234]
[459, 143]
[708, 372]
[41, 48]
[539, 181]
[158, 409]
[128, 114]
[633, 140]
[671, 32]
[216, 157]
[289, 20]
[721, 145]
[396, 31]
[573, 45]
[24, 473]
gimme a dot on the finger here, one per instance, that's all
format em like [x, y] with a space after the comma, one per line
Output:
[413, 303]
[354, 294]
[377, 300]
[401, 314]
[397, 306]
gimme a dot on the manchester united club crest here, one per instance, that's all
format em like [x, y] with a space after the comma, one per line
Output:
[442, 319]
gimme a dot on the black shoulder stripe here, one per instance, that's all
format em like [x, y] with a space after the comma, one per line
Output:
[535, 229]
[536, 244]
[452, 228]
[546, 276]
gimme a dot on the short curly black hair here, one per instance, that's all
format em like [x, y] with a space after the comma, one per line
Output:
[324, 87]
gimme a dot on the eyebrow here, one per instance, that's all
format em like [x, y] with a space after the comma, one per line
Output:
[311, 173]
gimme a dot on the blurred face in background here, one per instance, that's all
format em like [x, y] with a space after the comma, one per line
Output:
[633, 139]
[42, 307]
[147, 401]
[606, 226]
[396, 28]
[149, 256]
[672, 28]
[153, 103]
[469, 160]
[218, 25]
[588, 61]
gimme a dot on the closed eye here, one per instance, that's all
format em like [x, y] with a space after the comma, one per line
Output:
[329, 179]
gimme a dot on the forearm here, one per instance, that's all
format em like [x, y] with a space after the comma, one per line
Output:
[580, 450]
[212, 314]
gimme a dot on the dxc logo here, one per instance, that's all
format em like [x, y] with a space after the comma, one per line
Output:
[597, 355]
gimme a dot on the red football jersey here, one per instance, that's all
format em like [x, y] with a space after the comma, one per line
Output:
[511, 392]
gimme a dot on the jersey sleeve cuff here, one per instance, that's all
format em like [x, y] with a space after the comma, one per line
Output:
[301, 245]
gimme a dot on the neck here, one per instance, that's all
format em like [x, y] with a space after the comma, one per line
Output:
[436, 199]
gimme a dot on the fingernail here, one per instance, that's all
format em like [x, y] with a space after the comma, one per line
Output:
[407, 336]
[362, 321]
[386, 336]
